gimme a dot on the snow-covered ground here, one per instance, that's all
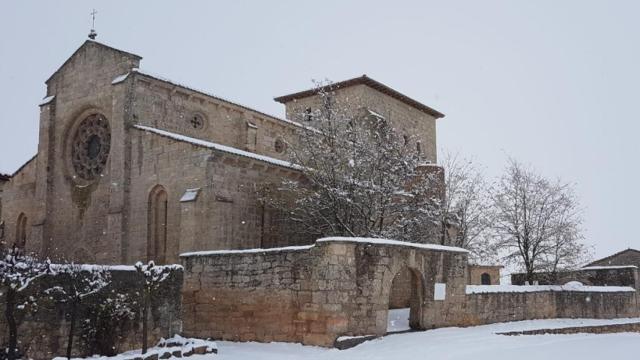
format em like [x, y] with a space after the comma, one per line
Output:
[478, 343]
[398, 320]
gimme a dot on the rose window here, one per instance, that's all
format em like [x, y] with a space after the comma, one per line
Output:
[90, 147]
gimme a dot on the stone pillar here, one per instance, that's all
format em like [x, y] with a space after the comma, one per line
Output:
[40, 236]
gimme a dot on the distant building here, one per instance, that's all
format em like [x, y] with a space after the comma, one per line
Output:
[623, 258]
[619, 269]
[484, 274]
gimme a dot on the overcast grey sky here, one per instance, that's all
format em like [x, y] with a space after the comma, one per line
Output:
[553, 83]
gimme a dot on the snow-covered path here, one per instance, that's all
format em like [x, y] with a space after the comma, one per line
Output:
[477, 343]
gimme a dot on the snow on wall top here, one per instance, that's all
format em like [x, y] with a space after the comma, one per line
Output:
[94, 267]
[487, 289]
[377, 241]
[586, 268]
[246, 251]
[371, 241]
[216, 146]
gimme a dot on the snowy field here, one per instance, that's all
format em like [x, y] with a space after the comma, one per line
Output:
[478, 343]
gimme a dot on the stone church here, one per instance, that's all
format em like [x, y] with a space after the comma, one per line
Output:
[131, 166]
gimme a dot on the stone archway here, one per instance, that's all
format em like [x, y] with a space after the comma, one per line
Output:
[406, 298]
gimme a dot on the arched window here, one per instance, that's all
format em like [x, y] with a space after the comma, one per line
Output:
[21, 231]
[485, 279]
[157, 225]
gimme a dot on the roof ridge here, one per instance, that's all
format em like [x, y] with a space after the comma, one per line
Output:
[610, 256]
[82, 46]
[363, 80]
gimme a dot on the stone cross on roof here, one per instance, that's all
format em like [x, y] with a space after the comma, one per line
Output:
[93, 33]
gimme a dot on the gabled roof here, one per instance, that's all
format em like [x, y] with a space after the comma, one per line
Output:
[23, 165]
[7, 177]
[612, 256]
[364, 80]
[87, 43]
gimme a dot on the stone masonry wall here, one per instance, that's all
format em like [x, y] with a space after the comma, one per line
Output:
[44, 334]
[226, 213]
[407, 120]
[18, 197]
[487, 308]
[340, 286]
[401, 289]
[313, 294]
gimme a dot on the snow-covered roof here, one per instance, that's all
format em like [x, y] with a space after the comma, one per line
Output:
[216, 146]
[613, 267]
[487, 289]
[246, 251]
[377, 241]
[47, 100]
[363, 80]
[371, 241]
[190, 195]
[123, 77]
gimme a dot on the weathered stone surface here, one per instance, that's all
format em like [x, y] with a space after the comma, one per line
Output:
[310, 296]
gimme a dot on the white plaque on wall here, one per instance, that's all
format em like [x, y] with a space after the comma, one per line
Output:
[440, 291]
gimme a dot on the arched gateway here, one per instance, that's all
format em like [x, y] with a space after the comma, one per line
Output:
[405, 301]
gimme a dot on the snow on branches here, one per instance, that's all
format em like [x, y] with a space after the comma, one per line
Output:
[360, 178]
[536, 221]
[17, 272]
[82, 281]
[153, 277]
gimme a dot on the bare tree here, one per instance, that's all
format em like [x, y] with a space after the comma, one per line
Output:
[79, 282]
[152, 278]
[359, 178]
[566, 252]
[536, 221]
[466, 202]
[17, 273]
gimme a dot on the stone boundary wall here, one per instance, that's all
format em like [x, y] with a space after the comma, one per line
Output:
[44, 334]
[596, 329]
[596, 276]
[493, 307]
[314, 294]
